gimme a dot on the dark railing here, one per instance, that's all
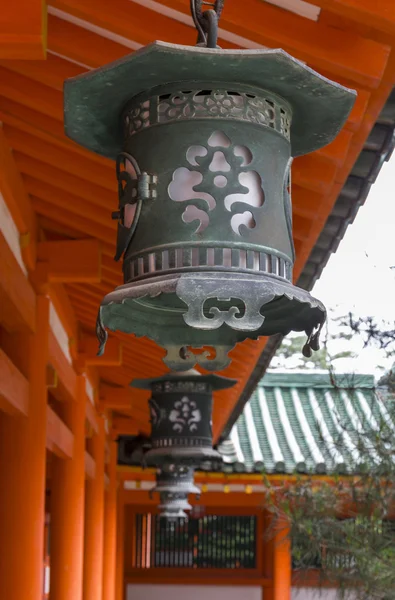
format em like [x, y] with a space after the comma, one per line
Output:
[209, 542]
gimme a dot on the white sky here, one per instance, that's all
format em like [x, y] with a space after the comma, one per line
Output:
[358, 277]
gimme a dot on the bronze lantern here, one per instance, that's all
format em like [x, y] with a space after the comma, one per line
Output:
[203, 140]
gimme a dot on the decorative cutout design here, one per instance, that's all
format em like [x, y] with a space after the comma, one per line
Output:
[221, 170]
[185, 415]
[138, 118]
[200, 104]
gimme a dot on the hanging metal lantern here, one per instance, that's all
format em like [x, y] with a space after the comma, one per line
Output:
[174, 483]
[181, 433]
[203, 140]
[181, 421]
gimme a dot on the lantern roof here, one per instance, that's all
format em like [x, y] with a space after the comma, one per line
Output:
[95, 100]
[217, 382]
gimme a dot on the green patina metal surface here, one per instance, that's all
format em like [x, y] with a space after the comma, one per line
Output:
[94, 101]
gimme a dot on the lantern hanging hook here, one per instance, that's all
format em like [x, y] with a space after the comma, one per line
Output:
[206, 21]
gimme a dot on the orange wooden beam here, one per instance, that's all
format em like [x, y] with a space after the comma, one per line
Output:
[90, 466]
[124, 426]
[17, 298]
[17, 200]
[60, 439]
[69, 261]
[116, 398]
[14, 388]
[67, 507]
[66, 375]
[110, 525]
[379, 14]
[89, 348]
[343, 53]
[94, 522]
[282, 562]
[62, 305]
[22, 467]
[23, 30]
[91, 415]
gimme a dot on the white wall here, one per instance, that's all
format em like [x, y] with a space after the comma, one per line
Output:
[300, 593]
[193, 592]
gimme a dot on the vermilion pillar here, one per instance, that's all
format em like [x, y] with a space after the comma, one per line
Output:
[110, 527]
[94, 522]
[282, 563]
[67, 506]
[22, 477]
[120, 553]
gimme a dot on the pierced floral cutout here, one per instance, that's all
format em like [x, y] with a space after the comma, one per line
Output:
[220, 178]
[185, 415]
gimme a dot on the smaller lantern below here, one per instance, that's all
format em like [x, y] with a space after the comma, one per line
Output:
[181, 425]
[173, 484]
[181, 434]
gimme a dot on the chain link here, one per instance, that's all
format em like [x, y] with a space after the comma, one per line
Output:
[206, 21]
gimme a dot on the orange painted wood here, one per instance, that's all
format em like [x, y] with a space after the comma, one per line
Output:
[89, 348]
[117, 398]
[66, 374]
[61, 302]
[23, 30]
[60, 439]
[94, 522]
[14, 388]
[81, 45]
[52, 72]
[110, 527]
[46, 208]
[70, 261]
[120, 547]
[86, 190]
[90, 466]
[44, 128]
[126, 20]
[17, 299]
[282, 563]
[91, 415]
[40, 97]
[379, 14]
[343, 53]
[17, 200]
[67, 507]
[22, 468]
[91, 212]
[124, 426]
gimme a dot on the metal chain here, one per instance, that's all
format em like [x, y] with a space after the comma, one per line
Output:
[206, 21]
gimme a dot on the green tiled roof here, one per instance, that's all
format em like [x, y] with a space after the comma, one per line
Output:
[294, 421]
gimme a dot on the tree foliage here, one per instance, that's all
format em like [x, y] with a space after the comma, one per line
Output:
[345, 526]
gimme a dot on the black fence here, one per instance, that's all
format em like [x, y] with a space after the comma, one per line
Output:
[209, 542]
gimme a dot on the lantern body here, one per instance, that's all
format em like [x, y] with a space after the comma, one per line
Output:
[181, 434]
[181, 427]
[203, 140]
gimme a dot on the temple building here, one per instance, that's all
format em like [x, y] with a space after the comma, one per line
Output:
[98, 122]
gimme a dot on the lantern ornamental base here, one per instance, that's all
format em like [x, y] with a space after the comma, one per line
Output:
[217, 309]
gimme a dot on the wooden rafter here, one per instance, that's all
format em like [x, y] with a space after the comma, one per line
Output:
[60, 439]
[14, 388]
[69, 261]
[23, 30]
